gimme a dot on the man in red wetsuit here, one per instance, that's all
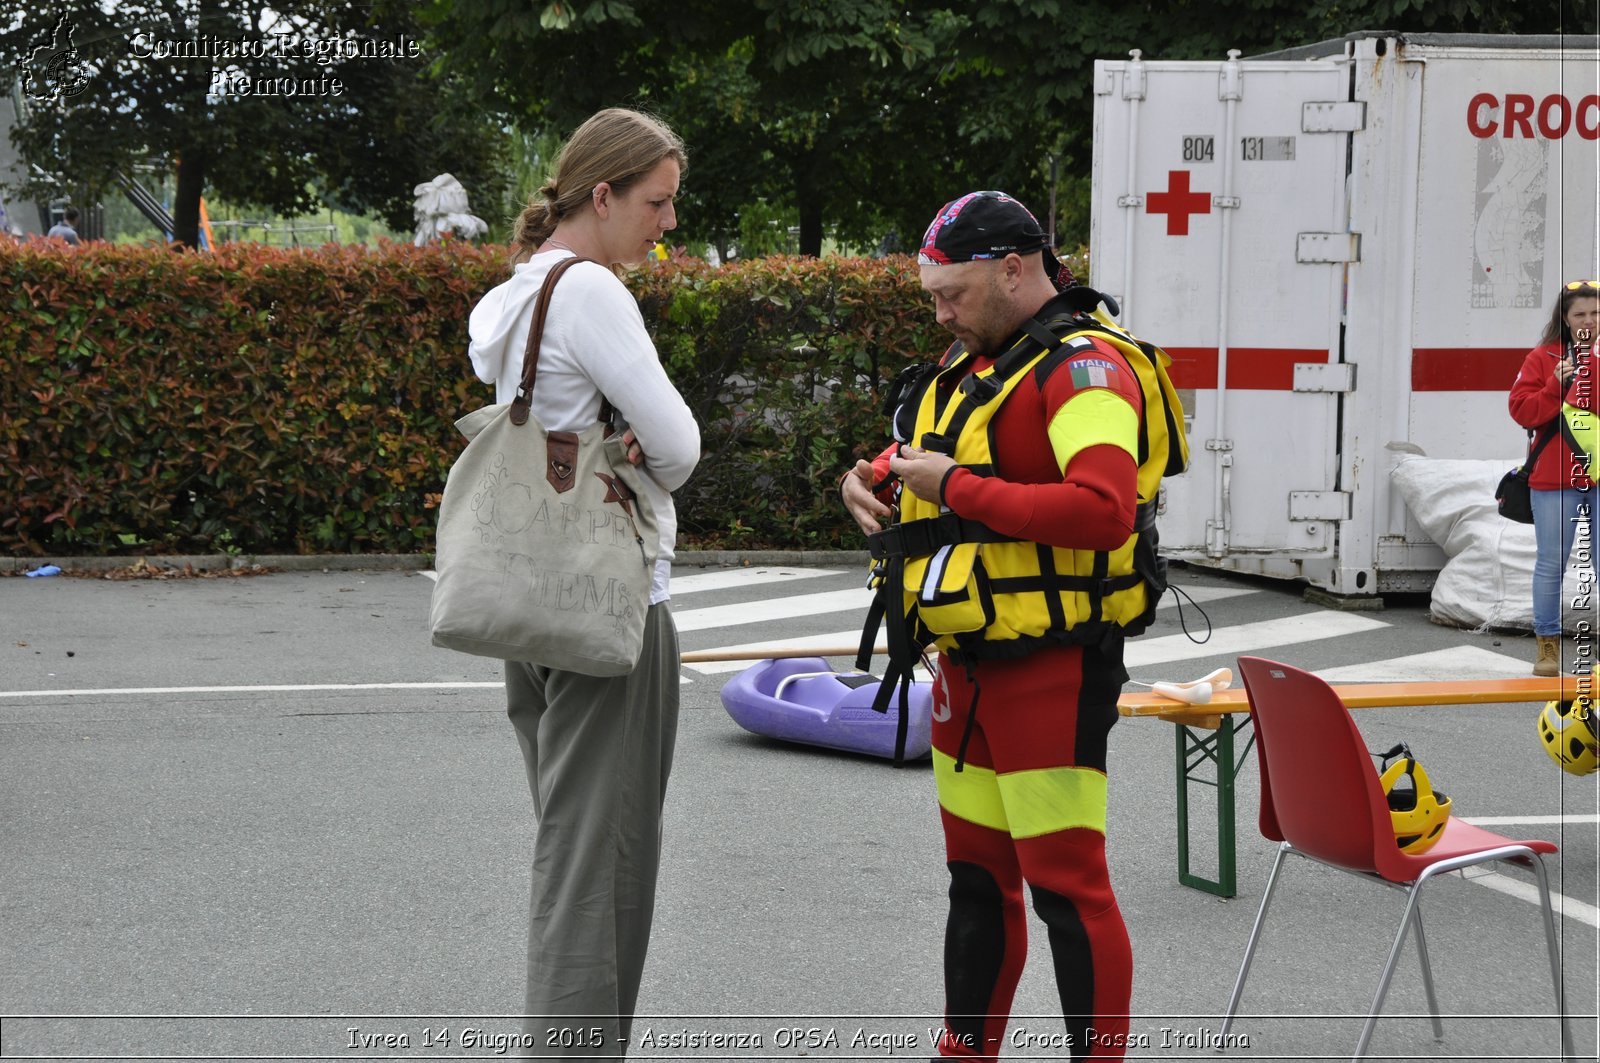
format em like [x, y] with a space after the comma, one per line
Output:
[1027, 802]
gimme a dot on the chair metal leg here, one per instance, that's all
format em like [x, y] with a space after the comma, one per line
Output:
[1413, 914]
[1388, 971]
[1255, 937]
[1427, 978]
[1567, 1049]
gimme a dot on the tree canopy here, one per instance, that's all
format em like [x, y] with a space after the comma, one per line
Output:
[852, 112]
[863, 116]
[283, 107]
[851, 118]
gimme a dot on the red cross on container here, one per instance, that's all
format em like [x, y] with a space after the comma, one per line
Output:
[1177, 203]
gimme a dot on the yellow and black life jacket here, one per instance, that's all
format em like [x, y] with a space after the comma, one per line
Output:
[976, 593]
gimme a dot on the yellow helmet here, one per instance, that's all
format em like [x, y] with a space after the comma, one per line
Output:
[1567, 730]
[1418, 812]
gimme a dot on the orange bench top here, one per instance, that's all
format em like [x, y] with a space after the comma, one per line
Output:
[1370, 696]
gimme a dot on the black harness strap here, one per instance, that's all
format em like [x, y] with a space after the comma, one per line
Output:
[1103, 585]
[977, 392]
[919, 538]
[1047, 572]
[869, 631]
[1097, 585]
[903, 654]
[972, 714]
[1042, 334]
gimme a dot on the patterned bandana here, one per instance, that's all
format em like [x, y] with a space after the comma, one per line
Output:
[989, 225]
[981, 225]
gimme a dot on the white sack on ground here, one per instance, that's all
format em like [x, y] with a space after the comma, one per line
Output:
[1488, 580]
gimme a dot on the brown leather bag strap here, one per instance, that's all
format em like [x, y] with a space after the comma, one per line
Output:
[530, 357]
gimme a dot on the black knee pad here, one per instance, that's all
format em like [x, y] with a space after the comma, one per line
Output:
[972, 883]
[1073, 959]
[974, 949]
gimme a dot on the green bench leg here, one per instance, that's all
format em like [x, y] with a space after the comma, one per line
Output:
[1196, 748]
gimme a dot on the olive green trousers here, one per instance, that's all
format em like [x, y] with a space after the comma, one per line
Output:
[598, 752]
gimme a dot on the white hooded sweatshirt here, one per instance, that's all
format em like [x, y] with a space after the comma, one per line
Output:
[594, 343]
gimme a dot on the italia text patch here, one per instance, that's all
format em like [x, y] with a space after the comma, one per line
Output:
[1093, 373]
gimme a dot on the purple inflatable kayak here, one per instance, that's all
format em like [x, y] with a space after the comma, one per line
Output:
[802, 699]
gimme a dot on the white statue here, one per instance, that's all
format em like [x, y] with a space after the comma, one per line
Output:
[441, 208]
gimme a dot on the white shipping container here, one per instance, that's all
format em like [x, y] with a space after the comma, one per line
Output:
[1343, 246]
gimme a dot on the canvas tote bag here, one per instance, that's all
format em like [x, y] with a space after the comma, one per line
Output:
[546, 544]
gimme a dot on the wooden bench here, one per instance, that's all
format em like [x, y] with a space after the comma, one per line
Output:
[1205, 736]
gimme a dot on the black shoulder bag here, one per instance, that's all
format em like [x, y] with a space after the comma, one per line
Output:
[1512, 495]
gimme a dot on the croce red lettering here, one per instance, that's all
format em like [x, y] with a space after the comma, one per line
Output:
[1519, 115]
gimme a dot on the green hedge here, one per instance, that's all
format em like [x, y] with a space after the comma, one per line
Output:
[272, 400]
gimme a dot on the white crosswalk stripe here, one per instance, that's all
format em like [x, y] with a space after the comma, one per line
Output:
[855, 600]
[806, 642]
[1245, 638]
[731, 578]
[1457, 662]
[723, 579]
[1202, 595]
[1565, 907]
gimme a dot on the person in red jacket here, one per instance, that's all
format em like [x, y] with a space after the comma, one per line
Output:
[1560, 370]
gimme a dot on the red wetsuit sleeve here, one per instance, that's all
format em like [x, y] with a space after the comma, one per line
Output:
[1088, 506]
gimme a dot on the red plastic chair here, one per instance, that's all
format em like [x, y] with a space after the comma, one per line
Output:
[1321, 799]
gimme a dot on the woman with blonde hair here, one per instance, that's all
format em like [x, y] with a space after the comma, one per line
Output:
[597, 750]
[1559, 372]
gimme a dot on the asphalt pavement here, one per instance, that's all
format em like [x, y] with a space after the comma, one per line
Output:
[262, 817]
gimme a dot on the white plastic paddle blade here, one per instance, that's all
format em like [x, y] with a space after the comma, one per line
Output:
[1196, 693]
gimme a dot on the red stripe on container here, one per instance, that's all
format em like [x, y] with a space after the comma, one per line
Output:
[1249, 368]
[1465, 368]
[1193, 367]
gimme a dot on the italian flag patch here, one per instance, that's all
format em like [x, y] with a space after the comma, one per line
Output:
[1092, 373]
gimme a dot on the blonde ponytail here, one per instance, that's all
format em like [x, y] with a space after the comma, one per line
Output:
[533, 227]
[616, 147]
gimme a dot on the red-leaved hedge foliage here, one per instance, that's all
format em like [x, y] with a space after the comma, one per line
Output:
[302, 400]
